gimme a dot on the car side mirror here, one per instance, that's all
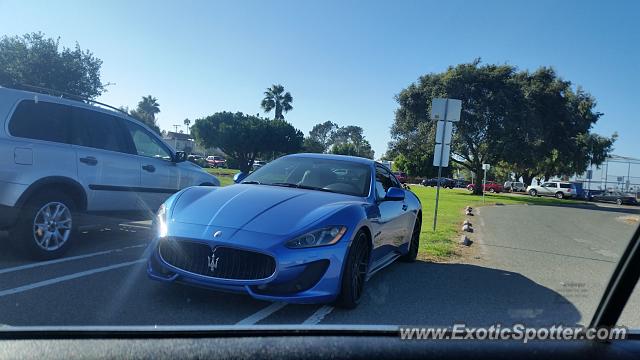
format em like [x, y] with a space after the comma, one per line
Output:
[179, 156]
[394, 194]
[237, 178]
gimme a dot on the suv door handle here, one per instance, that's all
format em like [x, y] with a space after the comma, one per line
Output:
[149, 168]
[89, 160]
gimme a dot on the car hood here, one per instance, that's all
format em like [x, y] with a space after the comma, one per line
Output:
[260, 208]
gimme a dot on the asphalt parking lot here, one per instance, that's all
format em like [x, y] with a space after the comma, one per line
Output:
[103, 281]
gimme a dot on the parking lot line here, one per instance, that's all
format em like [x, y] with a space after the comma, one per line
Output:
[60, 279]
[71, 258]
[317, 316]
[262, 314]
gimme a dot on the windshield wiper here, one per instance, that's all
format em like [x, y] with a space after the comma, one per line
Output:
[300, 186]
[251, 182]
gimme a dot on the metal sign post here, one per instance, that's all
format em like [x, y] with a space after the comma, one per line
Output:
[446, 112]
[485, 167]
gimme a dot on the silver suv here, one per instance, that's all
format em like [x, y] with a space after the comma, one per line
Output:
[62, 161]
[558, 189]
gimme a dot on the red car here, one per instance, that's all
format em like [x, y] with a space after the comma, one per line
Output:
[402, 177]
[216, 162]
[489, 186]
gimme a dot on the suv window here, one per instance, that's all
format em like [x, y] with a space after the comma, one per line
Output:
[41, 121]
[565, 186]
[97, 130]
[147, 144]
[549, 184]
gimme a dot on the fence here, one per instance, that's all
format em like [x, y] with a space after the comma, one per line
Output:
[616, 173]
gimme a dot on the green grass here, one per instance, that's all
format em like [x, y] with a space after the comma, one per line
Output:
[441, 244]
[224, 175]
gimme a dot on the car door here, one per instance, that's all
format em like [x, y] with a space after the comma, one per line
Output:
[159, 175]
[105, 165]
[547, 189]
[391, 230]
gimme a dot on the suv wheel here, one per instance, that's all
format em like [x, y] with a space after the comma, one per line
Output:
[619, 201]
[46, 226]
[559, 195]
[533, 192]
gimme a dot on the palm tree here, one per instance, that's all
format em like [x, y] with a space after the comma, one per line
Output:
[187, 122]
[149, 105]
[276, 98]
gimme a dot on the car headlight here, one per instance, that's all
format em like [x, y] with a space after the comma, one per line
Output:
[321, 237]
[161, 221]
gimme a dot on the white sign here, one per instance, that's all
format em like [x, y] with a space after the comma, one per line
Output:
[446, 109]
[486, 167]
[446, 128]
[445, 155]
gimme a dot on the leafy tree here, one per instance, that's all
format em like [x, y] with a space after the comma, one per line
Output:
[35, 60]
[321, 135]
[146, 112]
[246, 138]
[325, 137]
[311, 145]
[187, 122]
[275, 98]
[535, 123]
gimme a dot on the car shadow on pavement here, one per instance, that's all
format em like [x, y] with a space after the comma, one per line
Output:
[433, 294]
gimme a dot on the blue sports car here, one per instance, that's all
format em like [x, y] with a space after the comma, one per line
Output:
[305, 228]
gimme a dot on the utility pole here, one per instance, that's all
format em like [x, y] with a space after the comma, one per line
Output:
[176, 127]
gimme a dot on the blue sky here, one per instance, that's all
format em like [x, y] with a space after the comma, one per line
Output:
[342, 60]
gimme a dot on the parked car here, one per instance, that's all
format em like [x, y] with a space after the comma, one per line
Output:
[257, 164]
[295, 231]
[216, 162]
[401, 176]
[514, 186]
[198, 160]
[617, 197]
[490, 186]
[461, 183]
[559, 189]
[444, 182]
[64, 159]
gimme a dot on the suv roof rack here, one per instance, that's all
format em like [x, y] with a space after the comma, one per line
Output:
[66, 95]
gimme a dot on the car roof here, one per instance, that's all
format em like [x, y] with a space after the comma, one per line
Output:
[25, 94]
[336, 157]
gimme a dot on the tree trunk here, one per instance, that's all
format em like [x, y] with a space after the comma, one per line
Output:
[527, 178]
[477, 190]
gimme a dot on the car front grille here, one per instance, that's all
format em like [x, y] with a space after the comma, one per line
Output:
[224, 263]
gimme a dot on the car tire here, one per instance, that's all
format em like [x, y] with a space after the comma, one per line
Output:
[619, 201]
[36, 242]
[533, 192]
[492, 190]
[414, 244]
[355, 272]
[559, 195]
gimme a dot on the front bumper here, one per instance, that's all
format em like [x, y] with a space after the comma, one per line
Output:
[304, 276]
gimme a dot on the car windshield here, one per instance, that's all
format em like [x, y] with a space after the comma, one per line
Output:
[385, 163]
[337, 176]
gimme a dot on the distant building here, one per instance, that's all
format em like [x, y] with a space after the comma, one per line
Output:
[180, 141]
[184, 142]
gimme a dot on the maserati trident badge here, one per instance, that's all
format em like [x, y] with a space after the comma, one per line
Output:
[212, 261]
